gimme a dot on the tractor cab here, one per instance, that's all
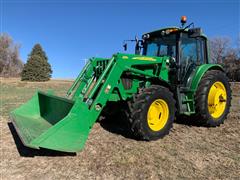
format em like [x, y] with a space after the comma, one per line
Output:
[186, 46]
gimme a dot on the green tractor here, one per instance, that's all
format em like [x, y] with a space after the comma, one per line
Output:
[170, 74]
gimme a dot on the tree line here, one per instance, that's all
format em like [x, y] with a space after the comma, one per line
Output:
[37, 67]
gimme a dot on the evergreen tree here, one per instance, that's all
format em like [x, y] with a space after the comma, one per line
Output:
[37, 67]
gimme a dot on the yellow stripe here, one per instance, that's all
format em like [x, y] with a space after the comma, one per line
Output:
[144, 58]
[125, 57]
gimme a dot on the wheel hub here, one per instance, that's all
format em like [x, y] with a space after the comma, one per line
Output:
[217, 98]
[158, 114]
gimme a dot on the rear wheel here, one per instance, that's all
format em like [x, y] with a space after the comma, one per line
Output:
[213, 98]
[152, 113]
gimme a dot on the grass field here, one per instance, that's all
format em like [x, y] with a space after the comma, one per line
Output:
[188, 152]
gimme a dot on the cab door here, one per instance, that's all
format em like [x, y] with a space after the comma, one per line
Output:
[192, 54]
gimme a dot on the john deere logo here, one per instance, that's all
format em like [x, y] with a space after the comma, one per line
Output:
[144, 58]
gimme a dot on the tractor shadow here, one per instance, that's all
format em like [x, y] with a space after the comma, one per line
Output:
[29, 152]
[117, 125]
[117, 122]
[188, 121]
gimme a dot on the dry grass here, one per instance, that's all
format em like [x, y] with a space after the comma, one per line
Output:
[187, 152]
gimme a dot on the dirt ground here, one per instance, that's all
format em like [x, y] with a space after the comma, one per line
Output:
[188, 152]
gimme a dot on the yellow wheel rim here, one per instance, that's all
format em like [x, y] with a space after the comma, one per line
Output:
[217, 98]
[158, 114]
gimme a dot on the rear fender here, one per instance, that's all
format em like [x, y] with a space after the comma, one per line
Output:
[196, 77]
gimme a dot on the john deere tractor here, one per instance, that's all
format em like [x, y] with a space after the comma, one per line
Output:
[170, 74]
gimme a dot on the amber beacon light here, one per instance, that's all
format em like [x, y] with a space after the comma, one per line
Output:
[183, 20]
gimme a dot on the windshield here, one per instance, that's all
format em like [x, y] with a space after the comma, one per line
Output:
[161, 46]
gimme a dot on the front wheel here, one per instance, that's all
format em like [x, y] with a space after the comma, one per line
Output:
[213, 98]
[152, 113]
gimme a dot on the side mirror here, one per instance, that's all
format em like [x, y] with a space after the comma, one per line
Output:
[125, 46]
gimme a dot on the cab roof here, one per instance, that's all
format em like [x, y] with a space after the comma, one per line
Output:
[171, 28]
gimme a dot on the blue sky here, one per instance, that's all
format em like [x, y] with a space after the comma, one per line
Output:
[70, 31]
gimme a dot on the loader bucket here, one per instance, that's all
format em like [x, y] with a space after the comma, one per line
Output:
[52, 122]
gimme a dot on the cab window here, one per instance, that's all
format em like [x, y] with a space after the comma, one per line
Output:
[192, 50]
[161, 46]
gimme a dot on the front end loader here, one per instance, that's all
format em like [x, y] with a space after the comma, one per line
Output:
[168, 75]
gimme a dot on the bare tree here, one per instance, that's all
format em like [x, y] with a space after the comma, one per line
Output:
[10, 63]
[238, 46]
[229, 56]
[219, 48]
[231, 63]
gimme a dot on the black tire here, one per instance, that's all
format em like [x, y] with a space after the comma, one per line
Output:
[139, 107]
[201, 98]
